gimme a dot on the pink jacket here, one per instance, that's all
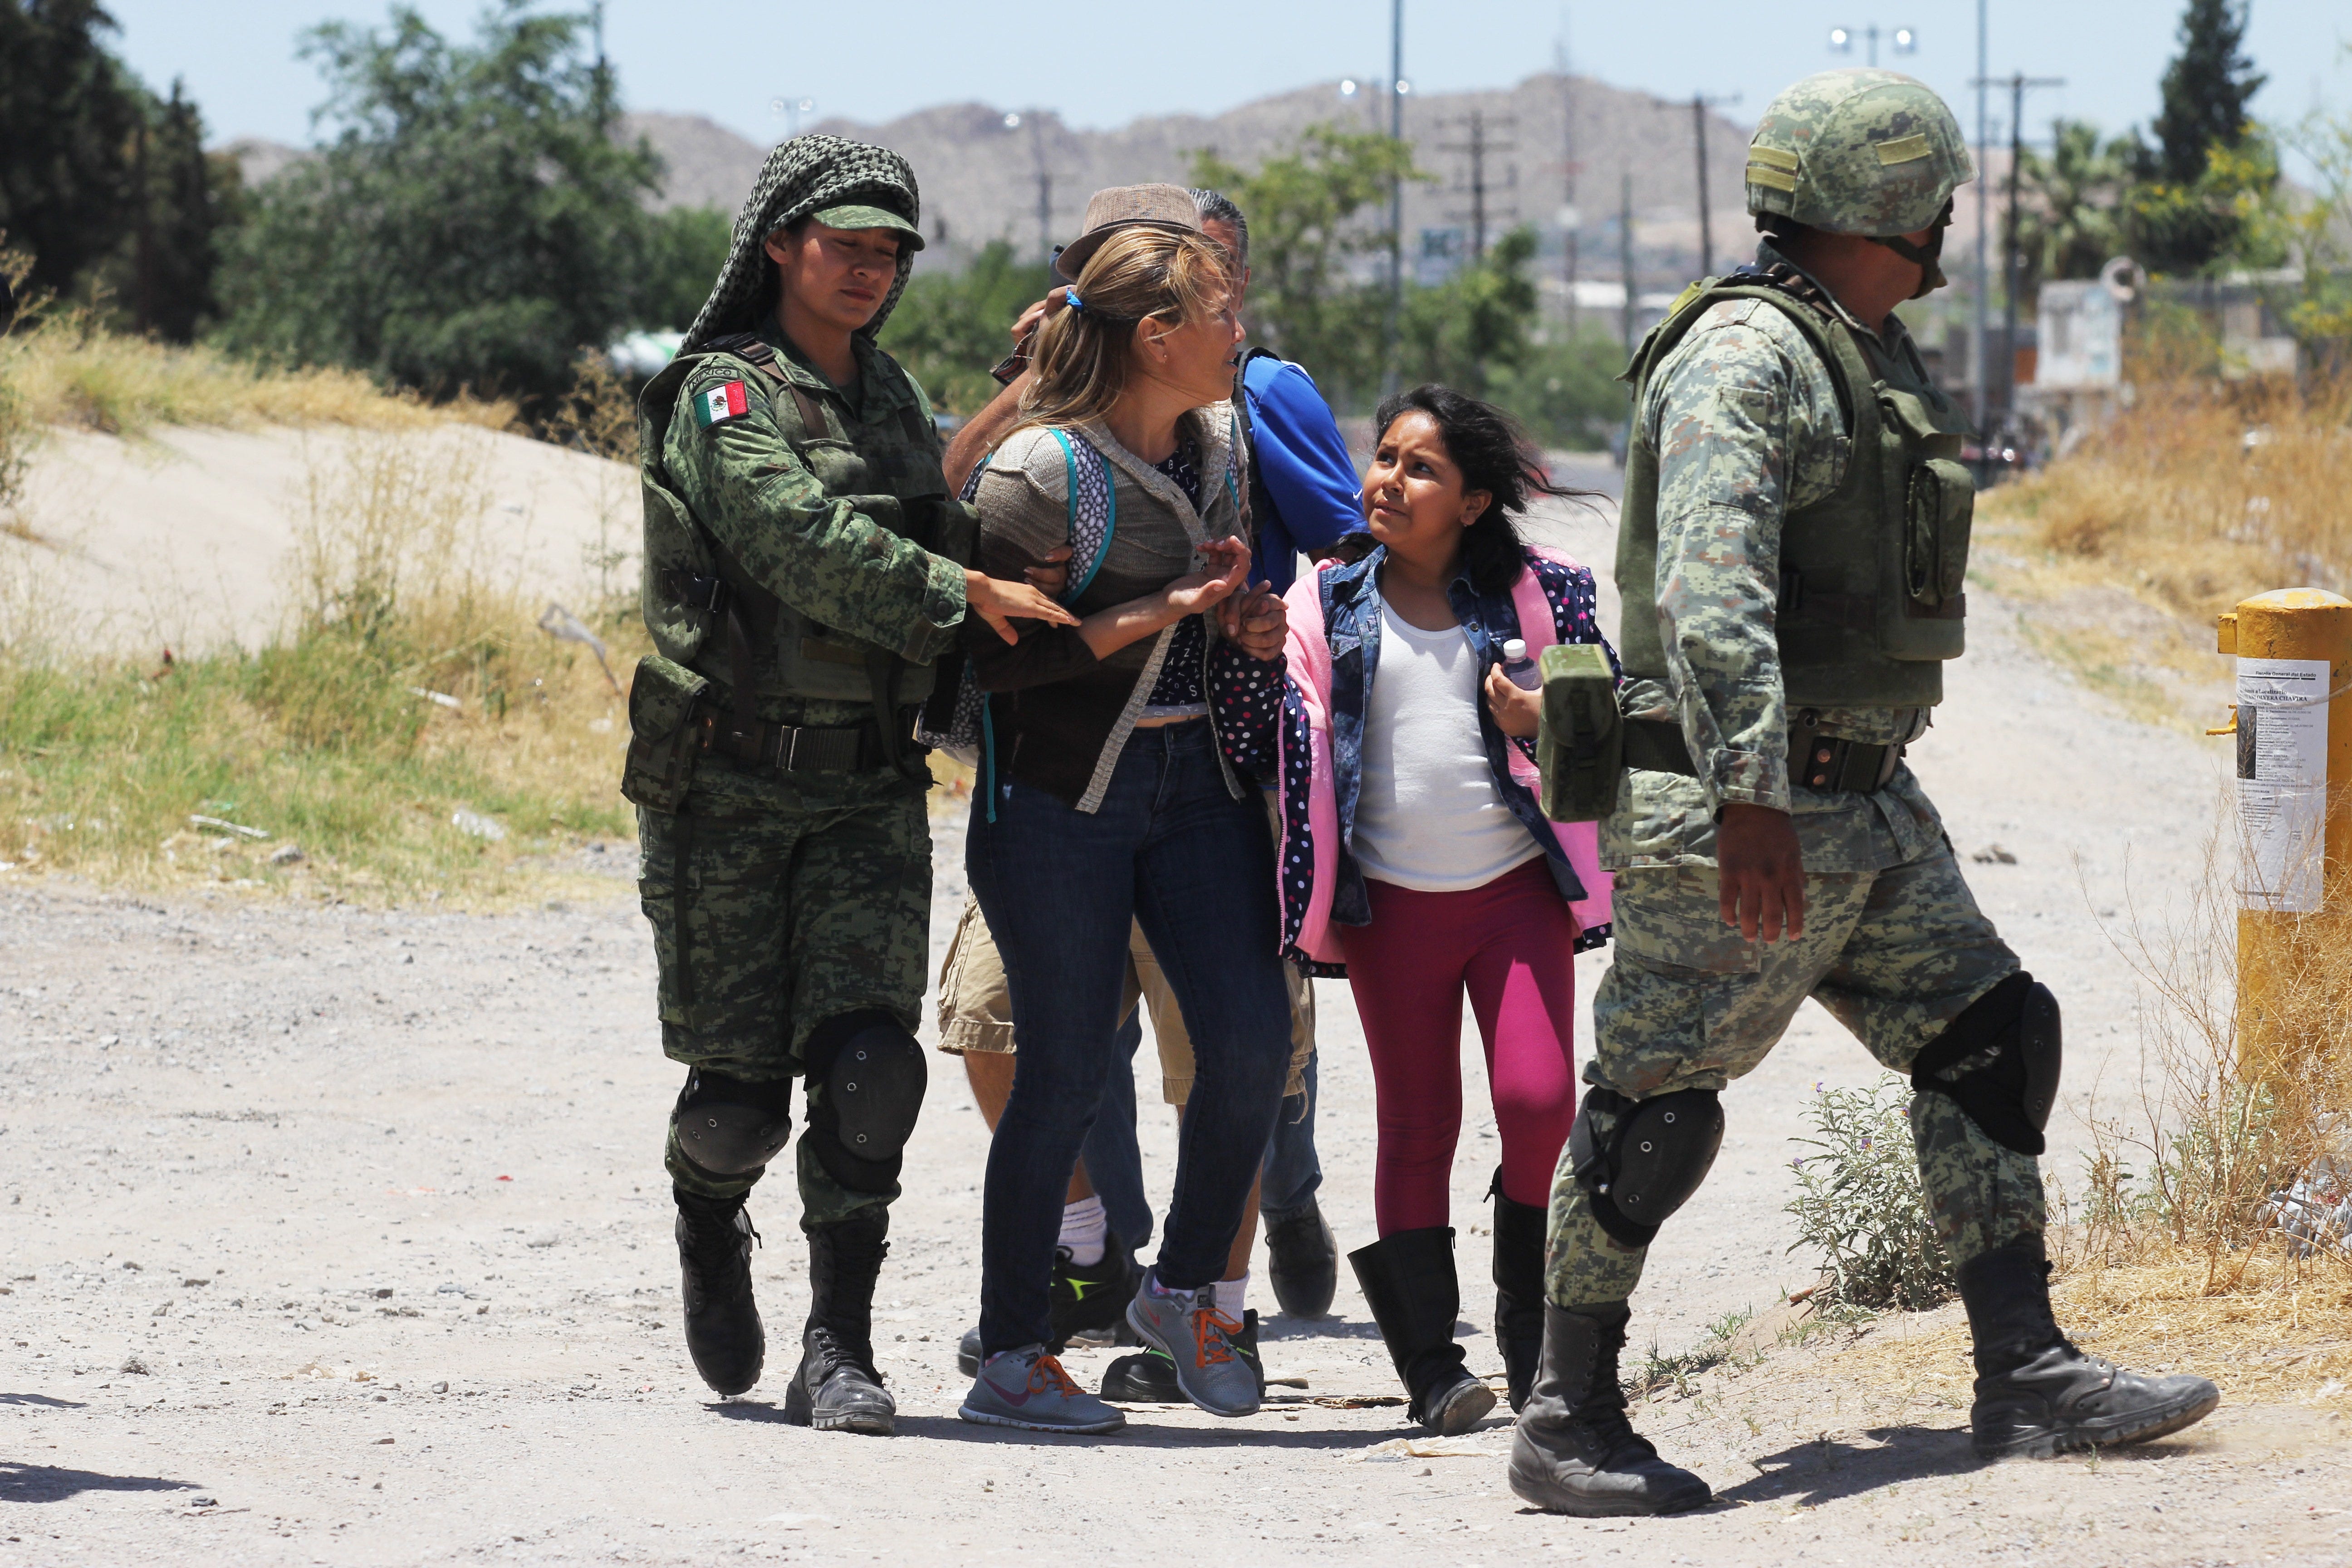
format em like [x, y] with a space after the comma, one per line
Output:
[1317, 857]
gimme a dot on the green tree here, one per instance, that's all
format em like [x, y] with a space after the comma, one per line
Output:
[471, 224]
[2069, 226]
[1476, 323]
[2206, 89]
[685, 248]
[2185, 211]
[161, 278]
[1567, 392]
[949, 327]
[69, 115]
[1306, 299]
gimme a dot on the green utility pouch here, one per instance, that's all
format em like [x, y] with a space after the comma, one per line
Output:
[1580, 746]
[662, 736]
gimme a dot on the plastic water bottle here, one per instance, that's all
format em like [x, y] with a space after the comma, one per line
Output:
[1518, 668]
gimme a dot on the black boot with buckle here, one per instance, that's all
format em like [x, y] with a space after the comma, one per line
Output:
[1519, 1231]
[714, 1261]
[1575, 1452]
[2037, 1395]
[836, 1387]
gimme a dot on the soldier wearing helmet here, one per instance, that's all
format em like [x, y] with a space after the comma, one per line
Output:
[1792, 549]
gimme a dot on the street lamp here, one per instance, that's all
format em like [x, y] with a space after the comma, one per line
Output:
[1905, 40]
[1347, 87]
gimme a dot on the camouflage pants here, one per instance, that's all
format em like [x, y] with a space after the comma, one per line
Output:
[777, 904]
[1895, 955]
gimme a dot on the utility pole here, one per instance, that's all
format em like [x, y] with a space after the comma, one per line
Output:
[1571, 219]
[603, 79]
[1045, 186]
[1479, 145]
[1700, 104]
[2017, 83]
[1625, 260]
[1393, 334]
[1977, 366]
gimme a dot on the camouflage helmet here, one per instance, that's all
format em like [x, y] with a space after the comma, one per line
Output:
[1860, 151]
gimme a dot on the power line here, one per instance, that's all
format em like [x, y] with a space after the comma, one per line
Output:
[1477, 148]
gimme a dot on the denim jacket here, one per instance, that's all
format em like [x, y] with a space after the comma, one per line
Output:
[1352, 621]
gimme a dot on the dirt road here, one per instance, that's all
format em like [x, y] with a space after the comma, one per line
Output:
[342, 1237]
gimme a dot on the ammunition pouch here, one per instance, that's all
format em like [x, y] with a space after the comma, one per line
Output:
[663, 737]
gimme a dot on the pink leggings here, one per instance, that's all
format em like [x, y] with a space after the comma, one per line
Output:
[1509, 942]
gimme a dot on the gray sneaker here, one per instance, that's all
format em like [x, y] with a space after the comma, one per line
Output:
[1027, 1388]
[1186, 1326]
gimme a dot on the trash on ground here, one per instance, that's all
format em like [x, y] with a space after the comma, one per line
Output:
[475, 823]
[214, 822]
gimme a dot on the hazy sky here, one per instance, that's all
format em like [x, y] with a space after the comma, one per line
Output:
[1103, 65]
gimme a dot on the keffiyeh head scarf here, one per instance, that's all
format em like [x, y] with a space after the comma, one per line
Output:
[800, 177]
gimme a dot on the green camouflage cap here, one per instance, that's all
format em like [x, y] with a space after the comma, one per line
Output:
[1860, 151]
[909, 237]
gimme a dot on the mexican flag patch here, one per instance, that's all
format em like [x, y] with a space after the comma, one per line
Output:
[722, 404]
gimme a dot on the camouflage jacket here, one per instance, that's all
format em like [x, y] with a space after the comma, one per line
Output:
[781, 524]
[1743, 418]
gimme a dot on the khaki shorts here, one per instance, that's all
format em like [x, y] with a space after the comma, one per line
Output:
[976, 1007]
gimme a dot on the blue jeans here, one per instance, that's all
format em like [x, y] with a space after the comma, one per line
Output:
[1171, 849]
[1114, 1160]
[1293, 1173]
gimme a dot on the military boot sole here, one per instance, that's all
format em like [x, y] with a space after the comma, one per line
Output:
[800, 1410]
[1537, 1482]
[2143, 1425]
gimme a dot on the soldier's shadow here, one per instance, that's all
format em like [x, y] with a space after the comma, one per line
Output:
[1839, 1467]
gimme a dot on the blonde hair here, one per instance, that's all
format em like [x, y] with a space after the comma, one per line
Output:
[1084, 355]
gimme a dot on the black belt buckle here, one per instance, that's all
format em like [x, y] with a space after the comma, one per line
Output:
[801, 750]
[1831, 764]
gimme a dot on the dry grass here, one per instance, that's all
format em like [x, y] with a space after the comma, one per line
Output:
[2281, 1336]
[2202, 494]
[63, 370]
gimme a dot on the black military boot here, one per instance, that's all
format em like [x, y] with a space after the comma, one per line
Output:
[714, 1265]
[1518, 1290]
[1303, 1260]
[2036, 1394]
[1575, 1452]
[1408, 1282]
[835, 1387]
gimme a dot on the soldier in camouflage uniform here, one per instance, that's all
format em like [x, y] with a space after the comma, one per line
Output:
[1791, 556]
[804, 576]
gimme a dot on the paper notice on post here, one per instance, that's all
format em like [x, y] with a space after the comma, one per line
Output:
[2282, 781]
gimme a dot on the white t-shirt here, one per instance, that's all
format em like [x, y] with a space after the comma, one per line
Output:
[1428, 815]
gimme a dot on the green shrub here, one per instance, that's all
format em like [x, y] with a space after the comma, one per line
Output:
[1860, 1204]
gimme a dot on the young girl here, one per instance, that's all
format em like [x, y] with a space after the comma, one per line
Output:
[1422, 860]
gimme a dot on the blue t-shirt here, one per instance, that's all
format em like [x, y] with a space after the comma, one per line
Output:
[1304, 461]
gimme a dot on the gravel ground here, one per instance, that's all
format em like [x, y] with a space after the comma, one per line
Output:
[341, 1235]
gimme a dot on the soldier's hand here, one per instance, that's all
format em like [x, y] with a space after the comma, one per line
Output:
[1053, 578]
[1518, 713]
[999, 603]
[1256, 622]
[1761, 873]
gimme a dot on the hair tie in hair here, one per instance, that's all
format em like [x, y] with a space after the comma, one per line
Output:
[1070, 298]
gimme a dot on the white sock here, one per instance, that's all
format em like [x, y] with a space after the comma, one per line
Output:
[1231, 1295]
[1085, 1228]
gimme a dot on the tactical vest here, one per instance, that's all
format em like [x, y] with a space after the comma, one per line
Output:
[764, 646]
[1872, 574]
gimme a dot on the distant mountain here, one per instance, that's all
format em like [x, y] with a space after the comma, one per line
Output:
[980, 177]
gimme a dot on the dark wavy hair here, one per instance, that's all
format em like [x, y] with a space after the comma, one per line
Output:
[1494, 455]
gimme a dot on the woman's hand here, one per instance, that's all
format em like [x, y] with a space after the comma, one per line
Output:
[1518, 713]
[1256, 622]
[999, 603]
[1228, 569]
[1053, 578]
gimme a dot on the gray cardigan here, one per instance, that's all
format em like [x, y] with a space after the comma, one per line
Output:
[1060, 717]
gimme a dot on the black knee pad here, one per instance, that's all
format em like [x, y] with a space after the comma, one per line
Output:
[1654, 1158]
[873, 1073]
[2010, 1095]
[728, 1126]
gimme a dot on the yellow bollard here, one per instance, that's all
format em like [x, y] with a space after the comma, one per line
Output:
[2293, 732]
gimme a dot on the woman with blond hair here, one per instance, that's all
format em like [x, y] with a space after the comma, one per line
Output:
[1113, 791]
